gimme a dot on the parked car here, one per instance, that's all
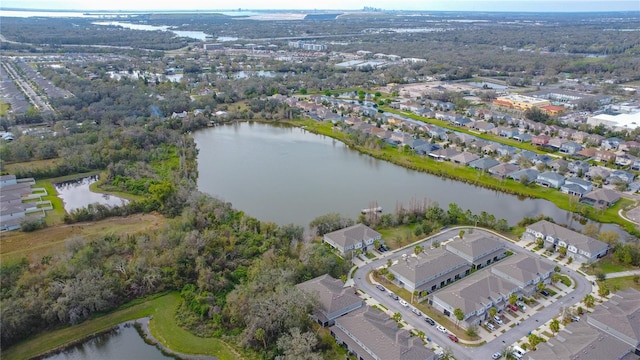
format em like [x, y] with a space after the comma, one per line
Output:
[496, 356]
[416, 311]
[382, 248]
[441, 329]
[453, 338]
[403, 303]
[512, 307]
[497, 320]
[575, 318]
[490, 326]
[522, 305]
[393, 296]
[380, 287]
[545, 293]
[430, 321]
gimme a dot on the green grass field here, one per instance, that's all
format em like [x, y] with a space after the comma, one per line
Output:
[621, 283]
[163, 327]
[4, 108]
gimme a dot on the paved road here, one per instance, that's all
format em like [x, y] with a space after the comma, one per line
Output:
[583, 287]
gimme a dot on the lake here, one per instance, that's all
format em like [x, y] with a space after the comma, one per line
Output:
[198, 35]
[122, 343]
[288, 175]
[75, 194]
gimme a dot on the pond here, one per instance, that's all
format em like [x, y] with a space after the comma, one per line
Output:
[288, 175]
[198, 35]
[75, 194]
[124, 342]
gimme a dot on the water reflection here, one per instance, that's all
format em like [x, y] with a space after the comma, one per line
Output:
[75, 194]
[124, 342]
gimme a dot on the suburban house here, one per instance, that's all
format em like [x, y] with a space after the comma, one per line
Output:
[484, 164]
[581, 247]
[444, 153]
[464, 158]
[429, 270]
[576, 187]
[369, 334]
[578, 166]
[354, 237]
[601, 198]
[503, 170]
[524, 175]
[477, 249]
[611, 331]
[335, 300]
[550, 179]
[621, 175]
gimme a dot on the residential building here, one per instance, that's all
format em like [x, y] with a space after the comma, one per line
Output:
[429, 270]
[611, 331]
[570, 148]
[576, 187]
[484, 164]
[354, 237]
[477, 249]
[369, 334]
[520, 102]
[503, 170]
[578, 167]
[524, 271]
[524, 175]
[581, 247]
[601, 198]
[335, 299]
[550, 179]
[621, 175]
[474, 295]
[464, 158]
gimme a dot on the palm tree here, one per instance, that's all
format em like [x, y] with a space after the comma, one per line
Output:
[493, 311]
[589, 301]
[555, 325]
[459, 314]
[418, 249]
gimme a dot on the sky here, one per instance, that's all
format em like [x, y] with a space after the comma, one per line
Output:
[433, 5]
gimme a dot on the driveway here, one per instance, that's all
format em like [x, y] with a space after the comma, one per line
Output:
[583, 287]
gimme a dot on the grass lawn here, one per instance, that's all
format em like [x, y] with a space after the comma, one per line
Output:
[15, 245]
[621, 283]
[32, 165]
[399, 236]
[608, 264]
[4, 108]
[163, 326]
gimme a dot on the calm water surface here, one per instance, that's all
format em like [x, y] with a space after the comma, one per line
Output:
[288, 175]
[75, 194]
[123, 343]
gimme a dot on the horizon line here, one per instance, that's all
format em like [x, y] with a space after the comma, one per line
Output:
[311, 10]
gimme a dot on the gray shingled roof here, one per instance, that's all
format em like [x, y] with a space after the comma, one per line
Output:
[580, 341]
[378, 333]
[433, 264]
[475, 246]
[330, 292]
[352, 234]
[522, 268]
[475, 292]
[621, 313]
[571, 237]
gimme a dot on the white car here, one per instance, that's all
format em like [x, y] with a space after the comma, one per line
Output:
[522, 305]
[441, 329]
[496, 356]
[403, 303]
[497, 320]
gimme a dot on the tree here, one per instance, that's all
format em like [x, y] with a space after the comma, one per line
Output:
[540, 243]
[540, 286]
[603, 290]
[590, 230]
[376, 244]
[534, 340]
[513, 298]
[390, 277]
[414, 294]
[329, 222]
[609, 236]
[261, 335]
[418, 249]
[461, 234]
[554, 325]
[459, 314]
[397, 317]
[298, 345]
[421, 335]
[601, 276]
[492, 312]
[555, 277]
[472, 331]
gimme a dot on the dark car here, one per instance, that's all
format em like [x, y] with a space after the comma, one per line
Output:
[430, 321]
[545, 293]
[382, 248]
[380, 287]
[453, 338]
[394, 296]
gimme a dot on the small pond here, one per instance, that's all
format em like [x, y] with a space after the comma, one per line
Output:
[124, 342]
[75, 194]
